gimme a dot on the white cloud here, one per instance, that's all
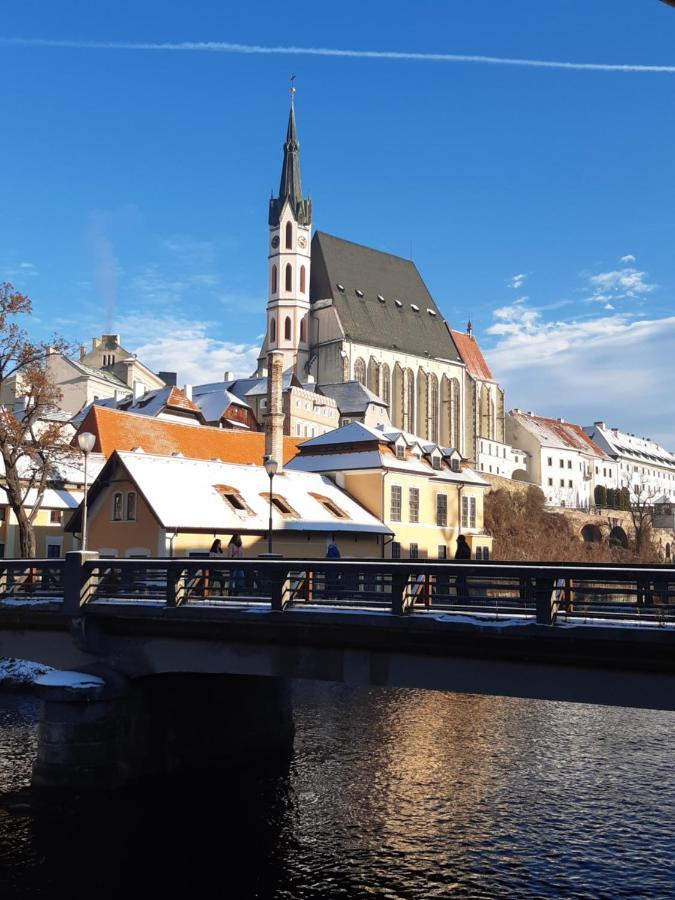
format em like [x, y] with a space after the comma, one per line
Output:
[608, 367]
[517, 281]
[187, 347]
[628, 258]
[620, 283]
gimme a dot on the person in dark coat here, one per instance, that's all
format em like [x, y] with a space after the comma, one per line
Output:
[463, 552]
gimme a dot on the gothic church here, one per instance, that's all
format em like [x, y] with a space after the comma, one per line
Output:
[339, 311]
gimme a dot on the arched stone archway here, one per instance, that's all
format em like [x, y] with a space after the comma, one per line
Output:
[618, 537]
[591, 534]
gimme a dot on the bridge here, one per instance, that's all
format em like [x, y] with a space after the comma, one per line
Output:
[162, 643]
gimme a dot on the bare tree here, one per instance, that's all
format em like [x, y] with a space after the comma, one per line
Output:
[640, 501]
[31, 446]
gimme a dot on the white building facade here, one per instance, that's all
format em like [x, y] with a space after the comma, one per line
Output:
[561, 459]
[643, 466]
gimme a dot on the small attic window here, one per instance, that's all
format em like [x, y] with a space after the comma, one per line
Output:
[340, 287]
[331, 507]
[176, 453]
[359, 293]
[398, 303]
[432, 312]
[137, 450]
[281, 505]
[400, 451]
[233, 498]
[381, 298]
[436, 461]
[415, 307]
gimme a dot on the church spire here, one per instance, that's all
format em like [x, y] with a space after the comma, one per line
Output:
[290, 186]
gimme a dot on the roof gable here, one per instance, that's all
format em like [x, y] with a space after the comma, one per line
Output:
[380, 299]
[471, 355]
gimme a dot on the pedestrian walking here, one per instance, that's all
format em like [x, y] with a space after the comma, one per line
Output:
[463, 552]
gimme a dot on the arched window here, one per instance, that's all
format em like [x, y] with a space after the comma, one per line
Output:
[289, 236]
[302, 279]
[345, 368]
[303, 329]
[409, 401]
[360, 371]
[289, 277]
[287, 328]
[273, 331]
[274, 279]
[384, 383]
[433, 408]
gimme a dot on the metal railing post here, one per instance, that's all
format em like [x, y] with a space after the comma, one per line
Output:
[399, 582]
[76, 588]
[278, 576]
[544, 587]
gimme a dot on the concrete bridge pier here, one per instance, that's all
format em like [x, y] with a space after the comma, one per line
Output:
[102, 731]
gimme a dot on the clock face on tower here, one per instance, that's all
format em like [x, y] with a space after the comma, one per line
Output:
[302, 241]
[275, 241]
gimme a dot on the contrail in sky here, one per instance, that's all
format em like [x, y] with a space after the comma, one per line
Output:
[224, 47]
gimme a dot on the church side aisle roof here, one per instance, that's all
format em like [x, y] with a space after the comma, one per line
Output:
[381, 299]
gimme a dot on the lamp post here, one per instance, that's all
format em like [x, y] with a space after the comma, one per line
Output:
[86, 441]
[271, 466]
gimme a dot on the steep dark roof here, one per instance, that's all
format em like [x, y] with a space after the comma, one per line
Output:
[381, 299]
[290, 186]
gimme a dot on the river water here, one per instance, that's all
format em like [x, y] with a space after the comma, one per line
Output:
[389, 794]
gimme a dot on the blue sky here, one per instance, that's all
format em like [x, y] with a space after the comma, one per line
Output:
[540, 201]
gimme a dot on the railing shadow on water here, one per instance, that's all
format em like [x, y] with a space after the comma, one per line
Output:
[544, 592]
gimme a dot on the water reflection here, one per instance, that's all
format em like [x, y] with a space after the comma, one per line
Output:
[391, 793]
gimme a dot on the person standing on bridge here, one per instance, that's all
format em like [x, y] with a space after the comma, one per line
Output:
[235, 551]
[463, 552]
[217, 576]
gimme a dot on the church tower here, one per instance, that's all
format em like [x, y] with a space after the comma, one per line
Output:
[290, 220]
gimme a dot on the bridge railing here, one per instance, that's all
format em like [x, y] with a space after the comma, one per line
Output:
[541, 591]
[24, 580]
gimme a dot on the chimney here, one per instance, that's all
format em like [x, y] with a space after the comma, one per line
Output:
[187, 390]
[95, 342]
[226, 376]
[274, 415]
[169, 378]
[139, 389]
[83, 351]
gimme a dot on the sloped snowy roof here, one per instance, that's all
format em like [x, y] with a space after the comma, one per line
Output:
[194, 500]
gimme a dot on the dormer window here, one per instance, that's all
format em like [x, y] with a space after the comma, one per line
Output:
[233, 499]
[398, 303]
[341, 287]
[359, 293]
[400, 451]
[282, 506]
[381, 298]
[414, 307]
[432, 312]
[435, 461]
[331, 507]
[455, 465]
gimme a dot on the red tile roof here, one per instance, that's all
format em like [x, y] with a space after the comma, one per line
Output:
[471, 355]
[178, 400]
[567, 433]
[117, 430]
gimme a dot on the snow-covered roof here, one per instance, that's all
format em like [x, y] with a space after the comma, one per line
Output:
[195, 500]
[53, 499]
[558, 434]
[354, 433]
[630, 446]
[215, 403]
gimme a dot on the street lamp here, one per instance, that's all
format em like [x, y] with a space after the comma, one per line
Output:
[271, 466]
[86, 441]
